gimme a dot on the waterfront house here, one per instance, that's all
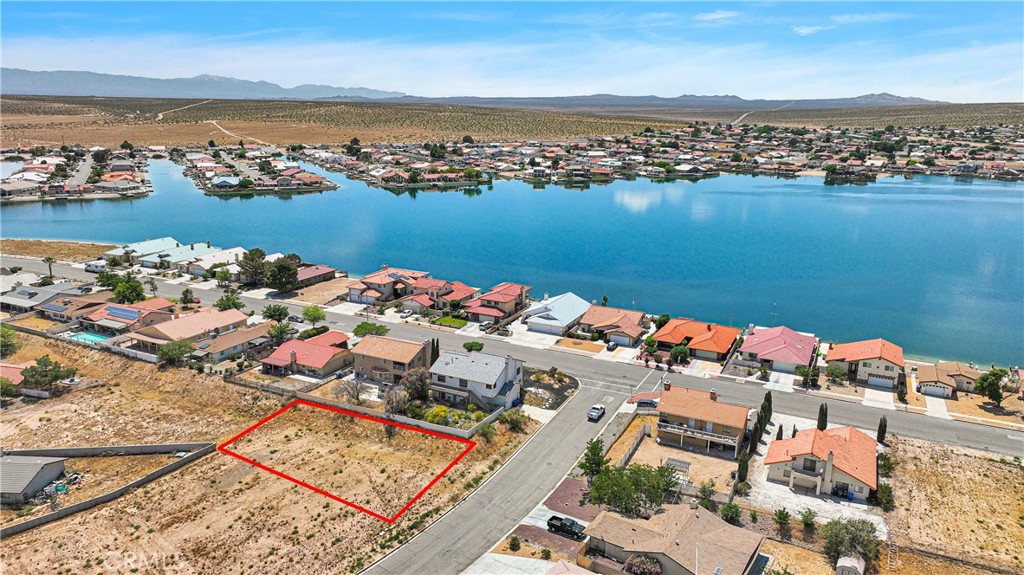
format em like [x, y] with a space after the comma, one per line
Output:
[115, 319]
[840, 462]
[874, 361]
[171, 259]
[696, 418]
[310, 358]
[555, 315]
[309, 274]
[384, 285]
[500, 302]
[779, 348]
[386, 359]
[204, 324]
[946, 377]
[131, 253]
[485, 380]
[704, 340]
[680, 538]
[622, 326]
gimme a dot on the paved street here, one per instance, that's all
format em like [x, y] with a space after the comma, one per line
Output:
[455, 541]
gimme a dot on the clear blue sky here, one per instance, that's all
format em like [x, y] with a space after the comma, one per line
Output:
[961, 52]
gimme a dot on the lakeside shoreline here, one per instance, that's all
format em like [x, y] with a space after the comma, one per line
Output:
[86, 245]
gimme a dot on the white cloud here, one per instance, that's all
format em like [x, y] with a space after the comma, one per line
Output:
[717, 16]
[594, 64]
[808, 30]
[867, 18]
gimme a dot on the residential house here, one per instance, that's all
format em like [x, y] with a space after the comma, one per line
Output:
[679, 539]
[171, 259]
[555, 315]
[204, 324]
[309, 274]
[236, 341]
[944, 378]
[311, 358]
[131, 253]
[384, 285]
[622, 326]
[502, 301]
[840, 462]
[874, 361]
[486, 380]
[116, 319]
[694, 417]
[704, 340]
[386, 359]
[779, 348]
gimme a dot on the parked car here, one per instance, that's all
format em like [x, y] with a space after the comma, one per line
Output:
[295, 318]
[405, 313]
[612, 346]
[565, 526]
[595, 413]
[486, 325]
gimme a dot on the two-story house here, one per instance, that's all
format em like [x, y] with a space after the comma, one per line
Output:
[486, 380]
[387, 360]
[696, 418]
[841, 462]
[874, 361]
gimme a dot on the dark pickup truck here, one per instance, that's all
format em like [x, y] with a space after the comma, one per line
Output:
[565, 526]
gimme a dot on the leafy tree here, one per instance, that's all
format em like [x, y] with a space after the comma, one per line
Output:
[487, 431]
[417, 383]
[515, 420]
[279, 331]
[662, 320]
[174, 352]
[680, 353]
[129, 289]
[8, 340]
[642, 565]
[187, 297]
[313, 314]
[253, 267]
[994, 385]
[49, 261]
[730, 512]
[822, 416]
[883, 424]
[594, 461]
[8, 389]
[850, 537]
[275, 312]
[45, 373]
[229, 300]
[282, 274]
[836, 372]
[367, 328]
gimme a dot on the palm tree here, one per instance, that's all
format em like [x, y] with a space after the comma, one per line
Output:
[49, 261]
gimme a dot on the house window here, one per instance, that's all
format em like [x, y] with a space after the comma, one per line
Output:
[810, 465]
[463, 382]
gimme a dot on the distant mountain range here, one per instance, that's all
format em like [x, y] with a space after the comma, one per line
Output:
[66, 83]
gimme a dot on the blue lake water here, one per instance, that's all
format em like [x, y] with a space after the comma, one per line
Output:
[933, 264]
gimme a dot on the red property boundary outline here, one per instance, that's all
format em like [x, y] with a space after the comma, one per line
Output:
[223, 448]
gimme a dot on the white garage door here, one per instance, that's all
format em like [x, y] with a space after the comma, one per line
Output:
[881, 382]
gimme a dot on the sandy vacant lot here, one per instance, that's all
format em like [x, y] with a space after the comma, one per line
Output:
[62, 251]
[218, 515]
[958, 502]
[350, 457]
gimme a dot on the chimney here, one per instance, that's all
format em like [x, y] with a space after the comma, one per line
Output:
[714, 394]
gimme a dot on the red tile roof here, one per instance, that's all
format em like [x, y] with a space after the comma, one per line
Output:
[854, 452]
[867, 349]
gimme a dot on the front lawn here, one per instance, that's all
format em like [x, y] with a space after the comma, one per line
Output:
[451, 322]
